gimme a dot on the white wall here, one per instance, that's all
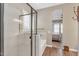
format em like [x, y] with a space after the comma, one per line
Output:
[70, 30]
[44, 22]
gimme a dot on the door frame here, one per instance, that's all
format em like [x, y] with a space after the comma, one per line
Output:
[59, 22]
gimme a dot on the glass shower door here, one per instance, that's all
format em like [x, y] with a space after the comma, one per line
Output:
[24, 38]
[29, 27]
[20, 28]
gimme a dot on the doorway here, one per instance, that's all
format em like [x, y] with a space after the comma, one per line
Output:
[57, 25]
[57, 28]
[29, 25]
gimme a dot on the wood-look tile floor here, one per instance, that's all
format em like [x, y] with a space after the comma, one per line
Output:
[56, 44]
[51, 51]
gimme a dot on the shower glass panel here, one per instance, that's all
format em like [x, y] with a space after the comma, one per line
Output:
[25, 47]
[29, 26]
[25, 29]
[20, 28]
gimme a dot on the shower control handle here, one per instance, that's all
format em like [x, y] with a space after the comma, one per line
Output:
[30, 37]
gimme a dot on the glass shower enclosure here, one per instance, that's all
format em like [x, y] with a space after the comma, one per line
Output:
[20, 29]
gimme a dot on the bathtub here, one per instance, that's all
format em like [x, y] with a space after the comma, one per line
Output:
[40, 45]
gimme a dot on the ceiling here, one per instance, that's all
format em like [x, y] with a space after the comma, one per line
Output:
[43, 5]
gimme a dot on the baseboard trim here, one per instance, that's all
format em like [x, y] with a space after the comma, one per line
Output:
[48, 45]
[73, 50]
[62, 48]
[51, 46]
[78, 53]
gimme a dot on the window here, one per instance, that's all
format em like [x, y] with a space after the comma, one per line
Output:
[57, 21]
[56, 28]
[61, 28]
